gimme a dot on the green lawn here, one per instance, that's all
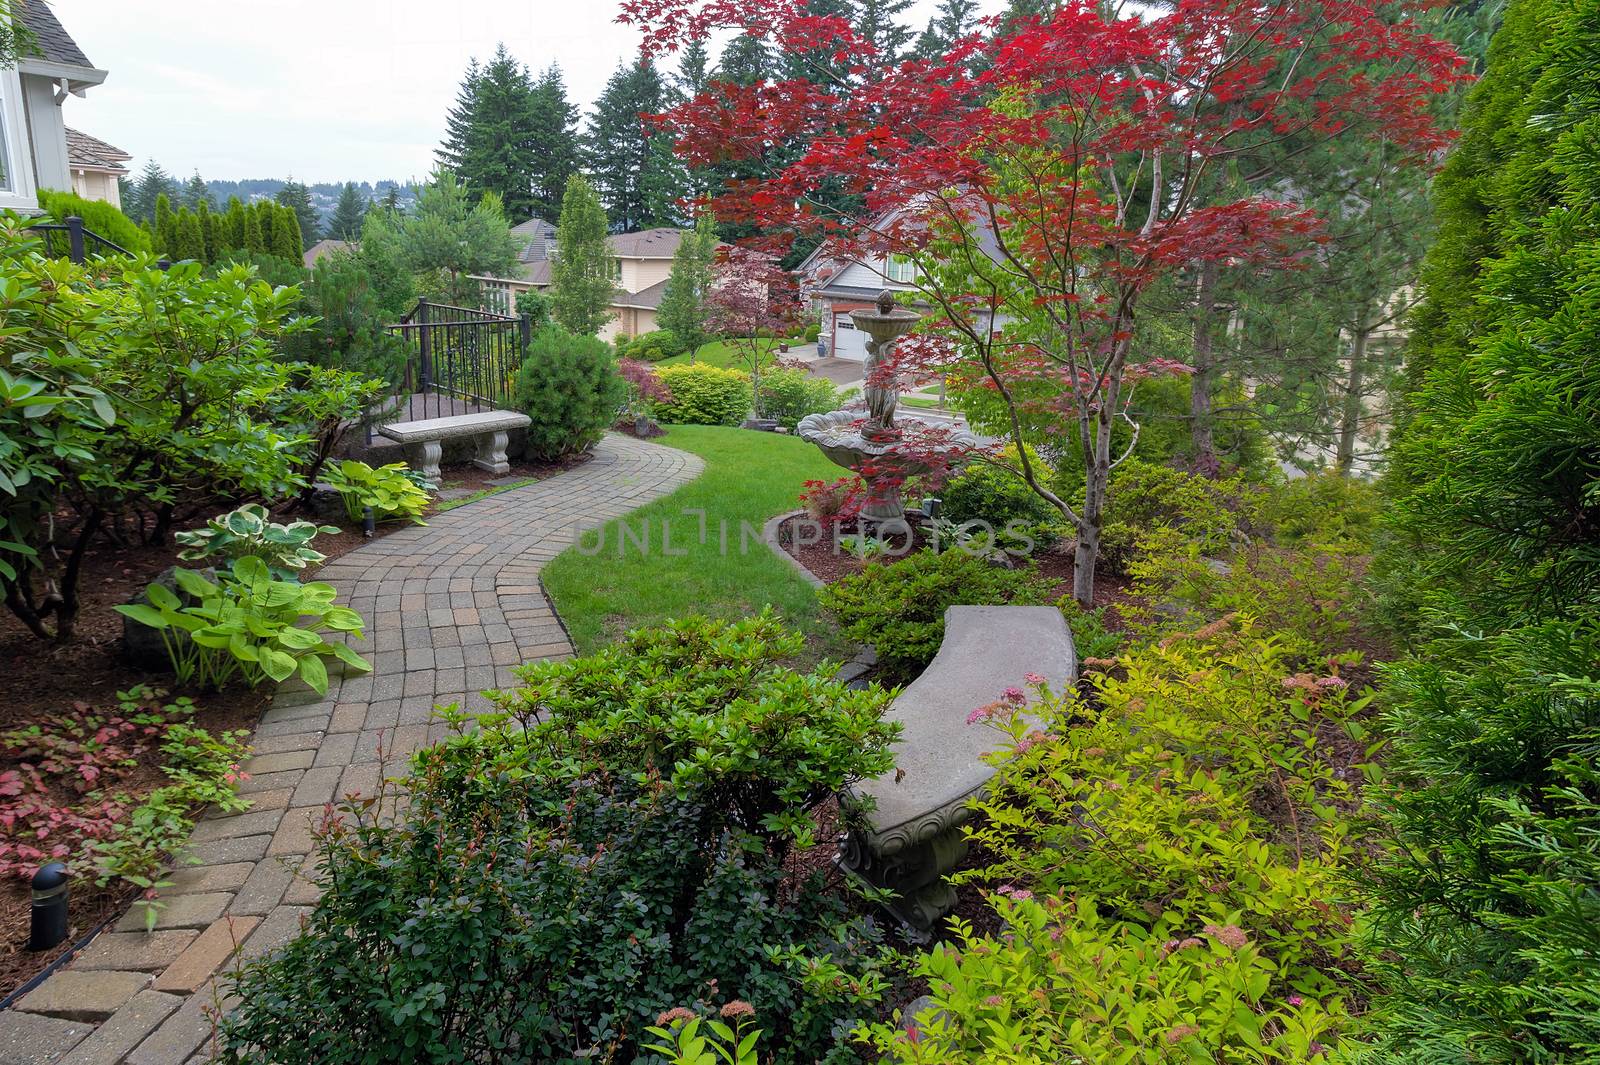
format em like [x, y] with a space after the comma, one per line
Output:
[725, 354]
[748, 478]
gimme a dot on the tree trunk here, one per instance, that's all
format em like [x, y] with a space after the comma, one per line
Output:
[1201, 430]
[1350, 417]
[1097, 477]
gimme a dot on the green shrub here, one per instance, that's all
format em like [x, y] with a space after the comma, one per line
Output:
[1090, 636]
[789, 395]
[704, 395]
[1322, 508]
[898, 607]
[653, 346]
[99, 217]
[591, 865]
[389, 490]
[1214, 515]
[1311, 595]
[249, 625]
[570, 388]
[812, 332]
[706, 706]
[985, 492]
[249, 530]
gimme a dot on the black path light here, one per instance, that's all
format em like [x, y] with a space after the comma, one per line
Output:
[49, 907]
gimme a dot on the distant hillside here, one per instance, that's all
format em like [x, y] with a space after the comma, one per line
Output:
[324, 194]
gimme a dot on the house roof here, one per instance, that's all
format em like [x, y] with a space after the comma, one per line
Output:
[648, 299]
[91, 153]
[324, 247]
[51, 41]
[538, 237]
[659, 243]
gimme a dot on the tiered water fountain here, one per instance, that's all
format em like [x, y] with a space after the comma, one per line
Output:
[877, 449]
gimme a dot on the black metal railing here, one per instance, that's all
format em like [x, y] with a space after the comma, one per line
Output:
[69, 239]
[457, 361]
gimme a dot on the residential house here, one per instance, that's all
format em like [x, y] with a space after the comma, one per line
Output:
[324, 248]
[642, 262]
[96, 167]
[833, 286]
[33, 135]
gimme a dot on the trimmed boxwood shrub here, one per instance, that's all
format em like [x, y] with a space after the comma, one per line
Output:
[704, 395]
[789, 395]
[569, 386]
[898, 607]
[653, 346]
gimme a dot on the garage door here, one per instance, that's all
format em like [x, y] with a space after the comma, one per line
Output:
[851, 342]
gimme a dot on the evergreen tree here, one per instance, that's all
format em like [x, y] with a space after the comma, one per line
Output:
[233, 227]
[635, 172]
[345, 222]
[953, 20]
[746, 60]
[694, 69]
[683, 308]
[209, 238]
[581, 278]
[295, 196]
[458, 120]
[195, 192]
[285, 240]
[165, 226]
[391, 200]
[553, 139]
[446, 241]
[882, 22]
[496, 152]
[188, 240]
[153, 182]
[1488, 905]
[254, 238]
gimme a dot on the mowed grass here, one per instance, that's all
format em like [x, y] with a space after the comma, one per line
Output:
[725, 354]
[748, 478]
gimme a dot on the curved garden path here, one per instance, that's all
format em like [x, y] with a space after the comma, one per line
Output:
[451, 607]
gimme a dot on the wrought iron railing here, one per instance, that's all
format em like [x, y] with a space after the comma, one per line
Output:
[457, 361]
[69, 239]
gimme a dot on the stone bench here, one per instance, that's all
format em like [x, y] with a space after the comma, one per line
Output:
[424, 440]
[911, 836]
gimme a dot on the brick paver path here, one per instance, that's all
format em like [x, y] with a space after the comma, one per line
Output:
[451, 608]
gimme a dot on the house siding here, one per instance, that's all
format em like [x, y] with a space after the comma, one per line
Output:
[47, 131]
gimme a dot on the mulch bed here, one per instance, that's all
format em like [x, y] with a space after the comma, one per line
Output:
[38, 679]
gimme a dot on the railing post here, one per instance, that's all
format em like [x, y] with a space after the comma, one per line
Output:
[424, 347]
[74, 238]
[525, 328]
[163, 264]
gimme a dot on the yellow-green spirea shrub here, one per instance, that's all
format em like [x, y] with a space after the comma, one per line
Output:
[704, 395]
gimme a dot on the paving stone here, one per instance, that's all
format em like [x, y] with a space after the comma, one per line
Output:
[182, 1033]
[249, 823]
[278, 927]
[204, 878]
[294, 835]
[335, 751]
[360, 780]
[224, 851]
[276, 799]
[134, 951]
[29, 1039]
[294, 741]
[83, 995]
[258, 782]
[265, 888]
[180, 911]
[124, 1031]
[321, 785]
[348, 717]
[316, 723]
[274, 763]
[206, 954]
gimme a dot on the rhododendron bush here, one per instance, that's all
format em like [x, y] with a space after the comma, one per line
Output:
[1043, 175]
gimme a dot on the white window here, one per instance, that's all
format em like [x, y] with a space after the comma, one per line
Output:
[16, 175]
[901, 270]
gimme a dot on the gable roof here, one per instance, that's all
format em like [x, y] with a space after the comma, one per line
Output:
[86, 152]
[325, 247]
[659, 243]
[51, 41]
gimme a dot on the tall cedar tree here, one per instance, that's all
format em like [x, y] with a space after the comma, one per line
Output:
[582, 284]
[1029, 181]
[953, 21]
[683, 310]
[287, 240]
[1488, 918]
[152, 183]
[348, 214]
[295, 196]
[195, 192]
[631, 163]
[458, 120]
[554, 136]
[165, 227]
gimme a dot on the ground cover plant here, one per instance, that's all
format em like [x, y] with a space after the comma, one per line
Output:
[613, 846]
[608, 584]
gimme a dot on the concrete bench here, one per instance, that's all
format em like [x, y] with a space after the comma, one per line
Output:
[911, 837]
[424, 440]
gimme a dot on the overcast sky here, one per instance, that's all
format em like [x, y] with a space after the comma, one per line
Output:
[326, 90]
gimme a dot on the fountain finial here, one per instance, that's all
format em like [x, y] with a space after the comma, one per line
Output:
[885, 302]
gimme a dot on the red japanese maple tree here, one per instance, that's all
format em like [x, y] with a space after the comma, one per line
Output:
[1045, 175]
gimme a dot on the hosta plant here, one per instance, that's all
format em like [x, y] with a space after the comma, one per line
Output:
[249, 625]
[249, 530]
[389, 490]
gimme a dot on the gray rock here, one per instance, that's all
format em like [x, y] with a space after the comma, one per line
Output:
[142, 644]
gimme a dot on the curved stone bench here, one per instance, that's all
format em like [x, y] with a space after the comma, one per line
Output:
[424, 440]
[911, 836]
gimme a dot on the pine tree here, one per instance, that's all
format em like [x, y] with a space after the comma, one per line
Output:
[195, 192]
[746, 60]
[694, 69]
[581, 285]
[634, 170]
[345, 222]
[953, 20]
[152, 183]
[165, 226]
[882, 22]
[554, 140]
[458, 120]
[683, 308]
[497, 153]
[295, 196]
[446, 241]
